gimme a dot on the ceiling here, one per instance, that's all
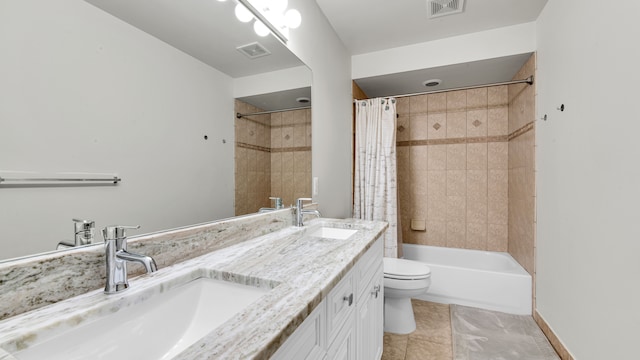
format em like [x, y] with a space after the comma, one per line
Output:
[205, 29]
[452, 76]
[209, 31]
[279, 100]
[371, 25]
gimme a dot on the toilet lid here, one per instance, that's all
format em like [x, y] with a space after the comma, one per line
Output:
[405, 269]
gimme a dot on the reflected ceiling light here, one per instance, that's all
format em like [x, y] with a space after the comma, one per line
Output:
[277, 6]
[260, 28]
[270, 14]
[243, 14]
[293, 18]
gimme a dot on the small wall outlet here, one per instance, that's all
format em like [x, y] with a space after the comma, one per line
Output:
[315, 186]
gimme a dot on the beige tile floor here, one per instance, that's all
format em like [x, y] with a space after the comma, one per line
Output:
[430, 341]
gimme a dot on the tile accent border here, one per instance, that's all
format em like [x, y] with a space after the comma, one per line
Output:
[253, 147]
[558, 346]
[291, 149]
[523, 130]
[290, 125]
[272, 150]
[469, 140]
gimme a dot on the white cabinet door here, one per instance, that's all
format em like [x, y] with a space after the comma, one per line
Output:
[344, 346]
[308, 342]
[378, 314]
[347, 325]
[369, 320]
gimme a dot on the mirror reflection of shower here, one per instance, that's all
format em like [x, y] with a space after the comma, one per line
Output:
[273, 155]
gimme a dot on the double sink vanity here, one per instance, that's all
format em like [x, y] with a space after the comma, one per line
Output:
[278, 291]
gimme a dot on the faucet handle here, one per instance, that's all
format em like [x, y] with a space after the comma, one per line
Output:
[83, 230]
[278, 202]
[82, 221]
[116, 232]
[83, 225]
[299, 201]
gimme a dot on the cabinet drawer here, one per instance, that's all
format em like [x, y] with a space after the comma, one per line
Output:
[367, 266]
[340, 303]
[308, 342]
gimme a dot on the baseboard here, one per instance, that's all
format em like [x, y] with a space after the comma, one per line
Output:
[558, 346]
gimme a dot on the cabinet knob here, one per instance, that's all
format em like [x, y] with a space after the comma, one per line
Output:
[376, 291]
[348, 299]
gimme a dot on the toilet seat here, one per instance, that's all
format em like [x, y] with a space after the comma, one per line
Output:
[402, 269]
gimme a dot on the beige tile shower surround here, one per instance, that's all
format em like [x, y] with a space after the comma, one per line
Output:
[522, 168]
[453, 168]
[455, 162]
[273, 157]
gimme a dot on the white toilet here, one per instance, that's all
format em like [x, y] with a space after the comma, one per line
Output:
[403, 279]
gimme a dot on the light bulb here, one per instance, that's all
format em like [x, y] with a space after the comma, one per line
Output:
[277, 19]
[243, 14]
[277, 6]
[260, 5]
[260, 28]
[293, 18]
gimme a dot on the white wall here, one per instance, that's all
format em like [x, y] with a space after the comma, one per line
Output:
[505, 41]
[273, 81]
[588, 238]
[318, 46]
[84, 92]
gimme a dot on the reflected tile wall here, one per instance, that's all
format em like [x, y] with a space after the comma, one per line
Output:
[273, 157]
[252, 160]
[291, 155]
[453, 168]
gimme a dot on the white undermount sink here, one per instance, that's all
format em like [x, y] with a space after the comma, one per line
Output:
[158, 328]
[333, 233]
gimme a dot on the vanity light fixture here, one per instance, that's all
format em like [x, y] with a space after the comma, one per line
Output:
[270, 16]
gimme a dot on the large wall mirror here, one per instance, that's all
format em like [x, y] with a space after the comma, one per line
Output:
[147, 91]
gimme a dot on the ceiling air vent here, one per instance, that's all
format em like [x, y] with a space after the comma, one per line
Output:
[253, 50]
[439, 8]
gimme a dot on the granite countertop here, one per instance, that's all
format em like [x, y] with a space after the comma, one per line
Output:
[299, 269]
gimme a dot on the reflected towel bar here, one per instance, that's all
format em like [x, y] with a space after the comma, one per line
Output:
[238, 115]
[114, 180]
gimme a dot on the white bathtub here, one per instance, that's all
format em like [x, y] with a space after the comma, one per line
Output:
[483, 279]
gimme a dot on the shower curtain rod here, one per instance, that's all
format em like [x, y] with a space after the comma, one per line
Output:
[238, 115]
[528, 80]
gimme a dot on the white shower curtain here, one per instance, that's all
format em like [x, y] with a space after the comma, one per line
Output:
[375, 193]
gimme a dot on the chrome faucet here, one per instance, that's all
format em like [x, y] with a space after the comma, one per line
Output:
[300, 212]
[83, 234]
[115, 239]
[83, 230]
[277, 205]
